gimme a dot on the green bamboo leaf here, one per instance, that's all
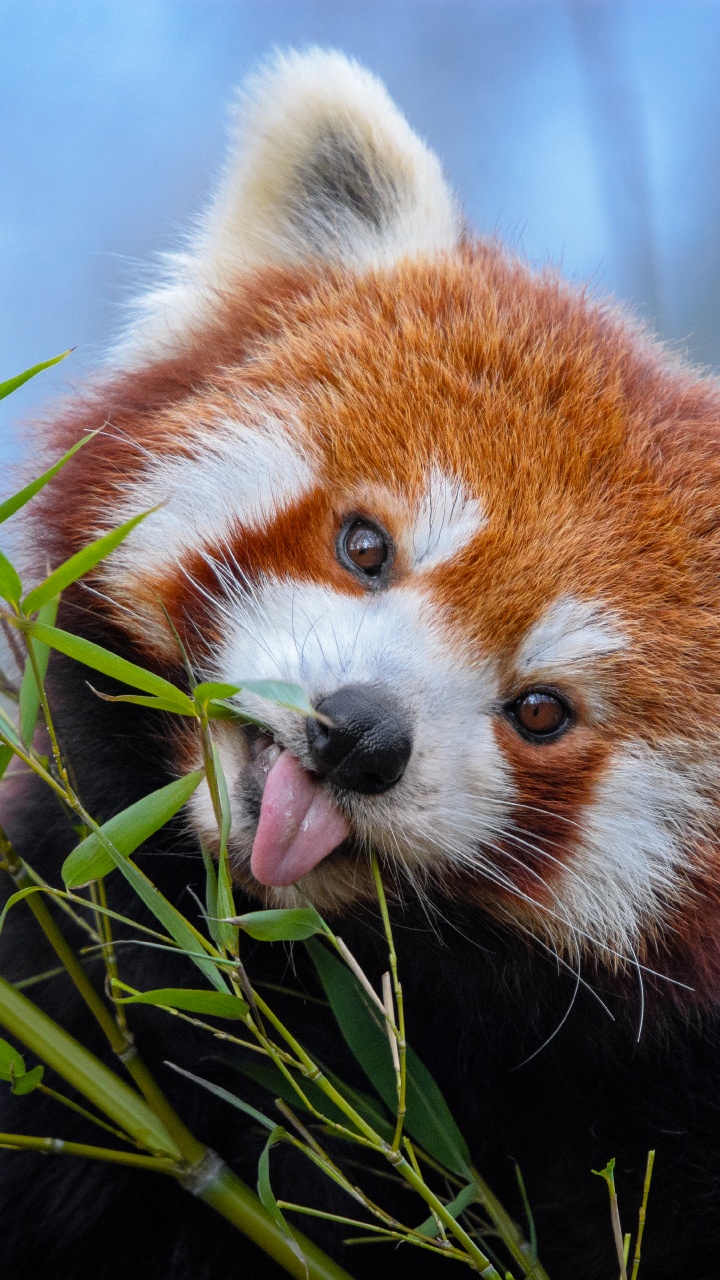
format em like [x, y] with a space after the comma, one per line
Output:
[100, 659]
[216, 1003]
[226, 1096]
[225, 810]
[292, 924]
[532, 1230]
[211, 896]
[608, 1173]
[8, 733]
[462, 1201]
[18, 500]
[265, 1191]
[90, 859]
[189, 939]
[12, 384]
[28, 1081]
[282, 693]
[211, 892]
[110, 1094]
[16, 897]
[364, 1034]
[428, 1117]
[10, 584]
[177, 706]
[29, 692]
[12, 1063]
[214, 689]
[223, 711]
[79, 564]
[227, 932]
[266, 1194]
[9, 742]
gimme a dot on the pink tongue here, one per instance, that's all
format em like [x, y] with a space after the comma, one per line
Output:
[299, 825]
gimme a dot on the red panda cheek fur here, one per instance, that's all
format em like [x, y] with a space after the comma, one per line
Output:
[546, 480]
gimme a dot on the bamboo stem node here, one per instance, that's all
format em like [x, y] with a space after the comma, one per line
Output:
[198, 1178]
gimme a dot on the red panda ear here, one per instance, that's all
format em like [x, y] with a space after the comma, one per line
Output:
[327, 167]
[323, 167]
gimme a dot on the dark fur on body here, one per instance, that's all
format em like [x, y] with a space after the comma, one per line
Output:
[480, 1000]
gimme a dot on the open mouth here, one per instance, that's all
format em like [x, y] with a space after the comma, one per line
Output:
[299, 822]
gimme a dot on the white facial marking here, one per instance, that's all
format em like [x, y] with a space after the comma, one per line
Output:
[447, 519]
[624, 873]
[238, 473]
[569, 636]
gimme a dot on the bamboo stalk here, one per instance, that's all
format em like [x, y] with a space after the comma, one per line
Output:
[236, 1202]
[642, 1214]
[118, 1037]
[608, 1176]
[118, 1041]
[361, 976]
[508, 1230]
[617, 1233]
[207, 1178]
[56, 1047]
[399, 1050]
[59, 1147]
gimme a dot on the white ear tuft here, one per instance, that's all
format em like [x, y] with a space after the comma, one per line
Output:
[327, 167]
[323, 167]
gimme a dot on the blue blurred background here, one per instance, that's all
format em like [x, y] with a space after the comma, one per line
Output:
[586, 134]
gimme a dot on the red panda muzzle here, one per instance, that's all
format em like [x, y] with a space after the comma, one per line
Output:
[362, 744]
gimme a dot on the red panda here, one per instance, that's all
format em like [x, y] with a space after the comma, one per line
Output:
[474, 513]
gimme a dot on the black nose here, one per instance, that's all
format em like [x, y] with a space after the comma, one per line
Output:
[368, 744]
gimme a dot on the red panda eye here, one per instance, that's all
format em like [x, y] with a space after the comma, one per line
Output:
[365, 547]
[539, 714]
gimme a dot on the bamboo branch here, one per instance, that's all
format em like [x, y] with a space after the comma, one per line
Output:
[400, 1052]
[58, 1147]
[642, 1214]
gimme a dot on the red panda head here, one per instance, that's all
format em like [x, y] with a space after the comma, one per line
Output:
[472, 512]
